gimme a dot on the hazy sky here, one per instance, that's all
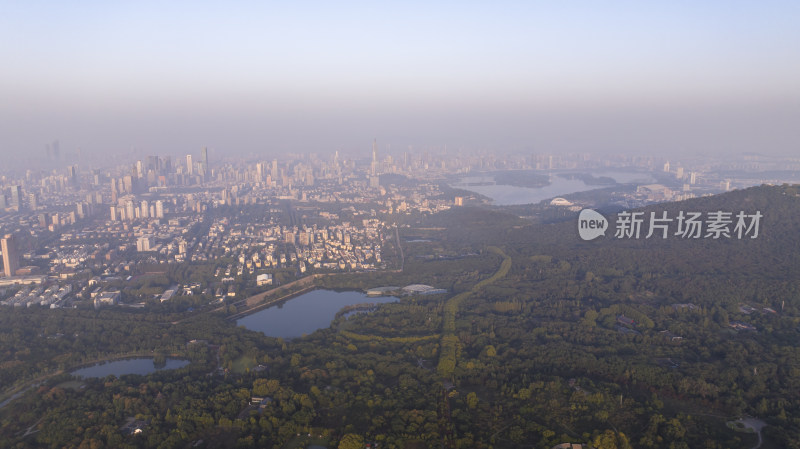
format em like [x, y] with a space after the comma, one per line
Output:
[707, 77]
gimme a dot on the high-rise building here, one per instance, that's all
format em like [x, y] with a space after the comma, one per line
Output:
[127, 183]
[56, 150]
[206, 172]
[72, 171]
[16, 197]
[159, 209]
[129, 211]
[32, 201]
[260, 171]
[10, 256]
[139, 169]
[374, 167]
[189, 164]
[145, 212]
[153, 164]
[144, 243]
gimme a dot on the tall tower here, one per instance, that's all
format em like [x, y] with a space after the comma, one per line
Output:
[74, 179]
[129, 211]
[139, 167]
[374, 167]
[10, 256]
[205, 162]
[32, 200]
[189, 164]
[16, 197]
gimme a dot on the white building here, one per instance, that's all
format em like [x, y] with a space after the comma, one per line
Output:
[144, 243]
[264, 279]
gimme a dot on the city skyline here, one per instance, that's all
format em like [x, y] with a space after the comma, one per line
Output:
[717, 78]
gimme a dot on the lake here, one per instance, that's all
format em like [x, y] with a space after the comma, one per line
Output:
[141, 366]
[505, 195]
[305, 313]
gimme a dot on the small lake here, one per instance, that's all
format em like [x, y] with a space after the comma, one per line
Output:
[505, 195]
[305, 313]
[141, 366]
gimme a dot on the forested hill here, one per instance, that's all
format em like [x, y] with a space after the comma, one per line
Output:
[728, 269]
[773, 254]
[715, 320]
[745, 266]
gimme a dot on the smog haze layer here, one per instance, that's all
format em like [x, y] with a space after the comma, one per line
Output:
[262, 79]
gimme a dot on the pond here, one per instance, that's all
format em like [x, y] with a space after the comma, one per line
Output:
[141, 366]
[305, 313]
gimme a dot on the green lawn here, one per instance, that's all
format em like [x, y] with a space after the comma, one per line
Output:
[243, 364]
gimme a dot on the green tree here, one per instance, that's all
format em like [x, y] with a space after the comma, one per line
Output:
[472, 400]
[351, 441]
[611, 440]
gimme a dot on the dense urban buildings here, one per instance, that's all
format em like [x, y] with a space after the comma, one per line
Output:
[302, 213]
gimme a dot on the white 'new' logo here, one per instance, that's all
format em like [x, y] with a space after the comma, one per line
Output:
[591, 224]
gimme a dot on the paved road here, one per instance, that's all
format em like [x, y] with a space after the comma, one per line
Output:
[755, 424]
